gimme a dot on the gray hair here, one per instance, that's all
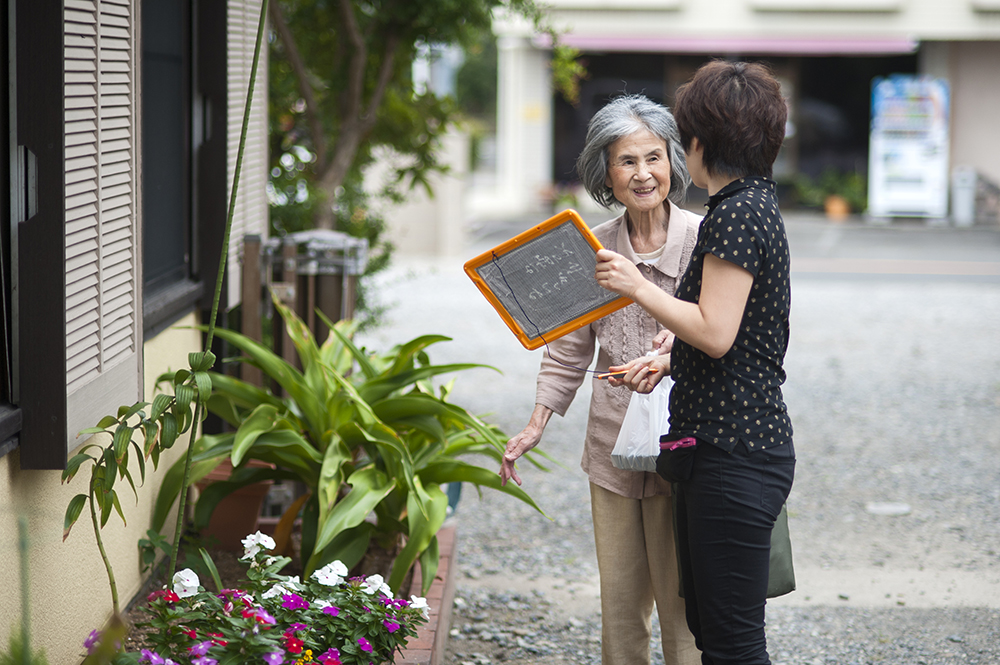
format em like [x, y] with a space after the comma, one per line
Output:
[621, 117]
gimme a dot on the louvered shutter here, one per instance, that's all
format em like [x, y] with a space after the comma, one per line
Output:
[251, 213]
[102, 326]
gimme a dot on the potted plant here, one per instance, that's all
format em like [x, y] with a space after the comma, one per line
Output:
[839, 193]
[367, 434]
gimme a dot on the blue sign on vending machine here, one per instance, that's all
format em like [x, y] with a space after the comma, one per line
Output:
[908, 151]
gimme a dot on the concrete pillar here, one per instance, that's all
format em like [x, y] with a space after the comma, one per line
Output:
[524, 126]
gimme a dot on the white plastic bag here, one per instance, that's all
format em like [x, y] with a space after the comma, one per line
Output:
[638, 443]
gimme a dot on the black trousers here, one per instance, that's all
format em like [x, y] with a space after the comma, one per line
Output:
[725, 514]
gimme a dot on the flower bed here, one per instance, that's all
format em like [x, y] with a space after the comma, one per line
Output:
[276, 619]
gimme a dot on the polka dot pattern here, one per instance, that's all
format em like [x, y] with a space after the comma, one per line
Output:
[738, 397]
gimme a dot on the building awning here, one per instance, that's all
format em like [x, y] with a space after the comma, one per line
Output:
[742, 45]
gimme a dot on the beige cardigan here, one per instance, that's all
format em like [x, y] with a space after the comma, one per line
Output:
[622, 336]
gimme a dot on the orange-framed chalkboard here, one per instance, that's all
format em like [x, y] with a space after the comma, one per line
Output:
[541, 281]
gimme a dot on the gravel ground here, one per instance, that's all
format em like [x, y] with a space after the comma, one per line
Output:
[894, 389]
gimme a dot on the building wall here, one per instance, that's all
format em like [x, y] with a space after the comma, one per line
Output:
[962, 33]
[975, 93]
[69, 590]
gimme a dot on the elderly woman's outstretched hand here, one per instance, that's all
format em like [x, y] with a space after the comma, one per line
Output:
[522, 442]
[617, 274]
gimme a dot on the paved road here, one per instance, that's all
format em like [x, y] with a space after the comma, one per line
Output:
[894, 390]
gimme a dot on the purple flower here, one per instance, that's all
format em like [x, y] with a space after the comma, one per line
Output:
[204, 660]
[297, 626]
[331, 657]
[331, 610]
[291, 601]
[264, 617]
[200, 649]
[91, 641]
[365, 645]
[151, 656]
[391, 626]
[275, 658]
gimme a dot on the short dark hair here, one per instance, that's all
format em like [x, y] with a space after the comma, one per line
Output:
[622, 117]
[737, 113]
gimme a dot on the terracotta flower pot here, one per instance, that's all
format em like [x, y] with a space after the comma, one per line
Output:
[836, 207]
[236, 515]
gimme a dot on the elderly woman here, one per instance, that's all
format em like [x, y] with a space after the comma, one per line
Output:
[730, 317]
[633, 157]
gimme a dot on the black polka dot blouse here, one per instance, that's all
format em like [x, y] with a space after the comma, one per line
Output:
[738, 397]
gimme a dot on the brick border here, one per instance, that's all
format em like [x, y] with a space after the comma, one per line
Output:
[427, 648]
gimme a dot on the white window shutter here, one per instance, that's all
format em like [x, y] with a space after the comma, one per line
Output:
[103, 348]
[251, 213]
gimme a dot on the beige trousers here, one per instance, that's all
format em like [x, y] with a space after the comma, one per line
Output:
[638, 565]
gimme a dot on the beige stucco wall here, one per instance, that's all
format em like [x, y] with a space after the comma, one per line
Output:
[69, 590]
[975, 92]
[920, 19]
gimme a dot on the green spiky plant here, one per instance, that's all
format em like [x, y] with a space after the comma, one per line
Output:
[367, 434]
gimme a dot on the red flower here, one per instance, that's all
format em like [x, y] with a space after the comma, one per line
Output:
[190, 633]
[217, 639]
[293, 644]
[165, 594]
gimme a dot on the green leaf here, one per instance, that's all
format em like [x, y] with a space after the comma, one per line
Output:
[121, 440]
[262, 419]
[168, 430]
[204, 383]
[448, 471]
[212, 570]
[73, 511]
[73, 466]
[224, 407]
[377, 389]
[406, 352]
[367, 369]
[422, 530]
[185, 395]
[134, 409]
[430, 558]
[107, 421]
[118, 506]
[299, 333]
[311, 405]
[243, 395]
[160, 404]
[149, 431]
[201, 361]
[368, 487]
[349, 546]
[142, 465]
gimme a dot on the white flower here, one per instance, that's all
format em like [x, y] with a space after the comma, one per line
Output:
[254, 542]
[375, 583]
[420, 604]
[331, 574]
[186, 583]
[291, 585]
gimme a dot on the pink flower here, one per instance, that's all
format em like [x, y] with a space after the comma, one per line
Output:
[274, 658]
[391, 626]
[330, 657]
[365, 645]
[331, 610]
[291, 601]
[150, 656]
[91, 642]
[200, 649]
